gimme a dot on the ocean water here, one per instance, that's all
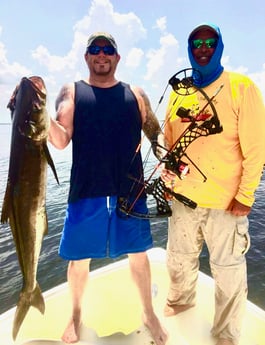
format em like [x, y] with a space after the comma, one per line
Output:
[52, 269]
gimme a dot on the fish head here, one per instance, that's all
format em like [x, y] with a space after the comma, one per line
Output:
[28, 108]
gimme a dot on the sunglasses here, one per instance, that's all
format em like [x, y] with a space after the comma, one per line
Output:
[107, 50]
[209, 42]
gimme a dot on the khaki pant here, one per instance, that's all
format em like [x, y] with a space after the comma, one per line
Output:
[228, 241]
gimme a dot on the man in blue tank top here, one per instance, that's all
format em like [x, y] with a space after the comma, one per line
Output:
[103, 118]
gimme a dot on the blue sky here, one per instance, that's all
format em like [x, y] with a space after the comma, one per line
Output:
[48, 38]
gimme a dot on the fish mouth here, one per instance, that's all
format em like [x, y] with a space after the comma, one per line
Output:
[38, 85]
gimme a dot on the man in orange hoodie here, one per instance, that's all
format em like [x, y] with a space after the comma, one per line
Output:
[232, 161]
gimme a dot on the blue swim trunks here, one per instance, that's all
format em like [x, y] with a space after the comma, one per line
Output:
[92, 229]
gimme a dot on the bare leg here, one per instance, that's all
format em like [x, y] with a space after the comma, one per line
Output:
[140, 270]
[77, 276]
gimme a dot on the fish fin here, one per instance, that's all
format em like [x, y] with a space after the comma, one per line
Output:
[37, 299]
[26, 300]
[6, 205]
[50, 161]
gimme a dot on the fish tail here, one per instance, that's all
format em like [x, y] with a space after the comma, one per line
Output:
[26, 300]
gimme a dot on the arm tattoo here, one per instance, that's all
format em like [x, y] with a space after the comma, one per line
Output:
[151, 126]
[63, 95]
[152, 129]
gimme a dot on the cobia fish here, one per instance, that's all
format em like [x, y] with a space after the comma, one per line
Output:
[24, 200]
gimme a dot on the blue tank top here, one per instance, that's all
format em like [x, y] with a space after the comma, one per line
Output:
[107, 131]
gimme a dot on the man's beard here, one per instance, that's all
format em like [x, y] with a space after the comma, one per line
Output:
[102, 71]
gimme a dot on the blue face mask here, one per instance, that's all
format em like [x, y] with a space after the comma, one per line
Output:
[213, 69]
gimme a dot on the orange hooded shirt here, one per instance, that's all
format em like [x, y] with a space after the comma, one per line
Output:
[231, 160]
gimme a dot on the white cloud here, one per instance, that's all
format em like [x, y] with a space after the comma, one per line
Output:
[149, 55]
[10, 74]
[226, 63]
[161, 23]
[259, 79]
[126, 28]
[139, 64]
[56, 70]
[134, 57]
[163, 59]
[54, 63]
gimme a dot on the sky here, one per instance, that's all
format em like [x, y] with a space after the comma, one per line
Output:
[48, 38]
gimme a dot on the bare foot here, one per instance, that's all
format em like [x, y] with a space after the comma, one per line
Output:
[72, 331]
[175, 309]
[158, 333]
[224, 342]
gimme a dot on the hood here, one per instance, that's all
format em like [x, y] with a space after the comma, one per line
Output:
[213, 69]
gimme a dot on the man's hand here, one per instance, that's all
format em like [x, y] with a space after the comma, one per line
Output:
[158, 146]
[168, 176]
[238, 209]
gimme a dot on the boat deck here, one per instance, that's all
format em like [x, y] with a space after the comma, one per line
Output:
[112, 312]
